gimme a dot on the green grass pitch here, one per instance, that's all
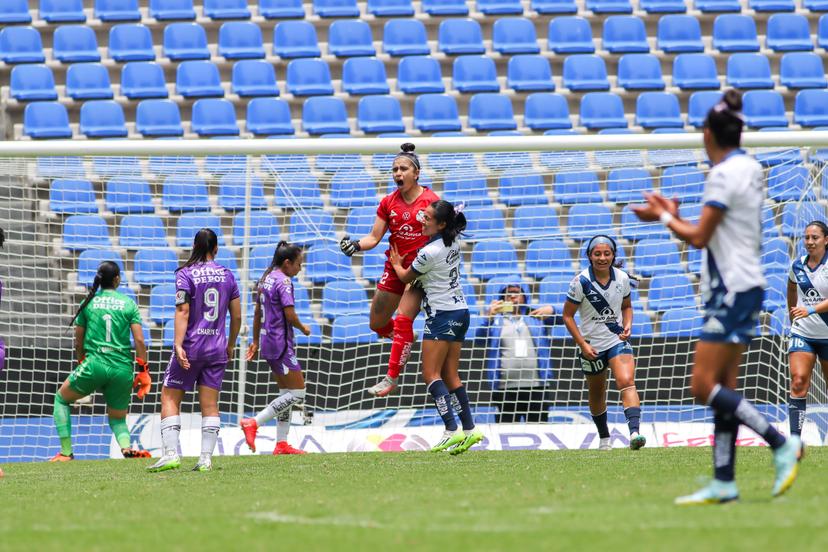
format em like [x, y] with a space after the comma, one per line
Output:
[529, 500]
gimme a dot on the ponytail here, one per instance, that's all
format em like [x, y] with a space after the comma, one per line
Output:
[104, 279]
[284, 252]
[204, 243]
[725, 120]
[452, 216]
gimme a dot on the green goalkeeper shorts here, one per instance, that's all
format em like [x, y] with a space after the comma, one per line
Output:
[113, 380]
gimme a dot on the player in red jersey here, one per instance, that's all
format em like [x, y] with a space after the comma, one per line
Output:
[401, 213]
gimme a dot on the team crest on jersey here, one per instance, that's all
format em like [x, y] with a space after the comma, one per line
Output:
[406, 215]
[420, 216]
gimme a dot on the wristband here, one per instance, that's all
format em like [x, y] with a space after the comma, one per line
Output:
[811, 310]
[665, 218]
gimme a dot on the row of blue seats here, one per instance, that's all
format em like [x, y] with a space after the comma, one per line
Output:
[298, 39]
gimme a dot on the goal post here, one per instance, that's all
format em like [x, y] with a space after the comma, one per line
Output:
[532, 202]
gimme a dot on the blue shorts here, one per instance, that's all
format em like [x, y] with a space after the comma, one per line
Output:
[799, 344]
[734, 323]
[447, 326]
[592, 367]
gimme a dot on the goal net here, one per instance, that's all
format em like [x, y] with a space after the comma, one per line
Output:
[532, 203]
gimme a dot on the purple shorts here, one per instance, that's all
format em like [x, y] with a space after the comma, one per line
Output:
[201, 372]
[284, 364]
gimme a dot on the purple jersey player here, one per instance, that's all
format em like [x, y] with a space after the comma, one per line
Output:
[273, 324]
[205, 292]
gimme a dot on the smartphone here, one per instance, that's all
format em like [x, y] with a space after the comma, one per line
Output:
[507, 307]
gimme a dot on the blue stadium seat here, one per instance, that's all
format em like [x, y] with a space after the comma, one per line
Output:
[471, 189]
[72, 197]
[181, 194]
[780, 322]
[585, 72]
[75, 43]
[718, 6]
[763, 108]
[189, 224]
[281, 9]
[602, 110]
[735, 33]
[789, 183]
[529, 72]
[815, 5]
[322, 114]
[335, 8]
[802, 70]
[609, 6]
[553, 289]
[627, 185]
[776, 255]
[788, 32]
[91, 259]
[699, 105]
[85, 232]
[663, 6]
[769, 226]
[444, 7]
[419, 75]
[353, 188]
[295, 39]
[214, 117]
[576, 187]
[259, 260]
[88, 81]
[379, 114]
[62, 11]
[522, 189]
[153, 267]
[352, 329]
[658, 110]
[269, 116]
[21, 45]
[102, 119]
[364, 75]
[162, 303]
[117, 10]
[507, 161]
[390, 8]
[435, 112]
[232, 193]
[32, 83]
[795, 216]
[587, 219]
[484, 223]
[166, 10]
[618, 158]
[491, 111]
[15, 11]
[475, 74]
[46, 120]
[557, 160]
[184, 41]
[695, 72]
[343, 298]
[130, 42]
[445, 162]
[460, 36]
[60, 167]
[685, 322]
[131, 197]
[775, 293]
[198, 79]
[547, 256]
[226, 9]
[492, 289]
[633, 229]
[158, 118]
[746, 70]
[547, 7]
[679, 34]
[360, 221]
[326, 263]
[492, 259]
[263, 229]
[657, 257]
[499, 7]
[624, 34]
[640, 72]
[308, 227]
[166, 165]
[684, 182]
[811, 108]
[544, 110]
[240, 40]
[669, 292]
[337, 162]
[254, 77]
[309, 77]
[570, 35]
[350, 38]
[514, 35]
[772, 5]
[405, 37]
[143, 79]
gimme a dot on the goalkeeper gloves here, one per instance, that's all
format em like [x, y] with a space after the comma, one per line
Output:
[142, 380]
[349, 246]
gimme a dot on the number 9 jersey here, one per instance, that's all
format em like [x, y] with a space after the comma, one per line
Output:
[208, 288]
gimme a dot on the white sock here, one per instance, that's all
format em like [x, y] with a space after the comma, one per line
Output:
[170, 428]
[282, 425]
[468, 431]
[284, 401]
[209, 435]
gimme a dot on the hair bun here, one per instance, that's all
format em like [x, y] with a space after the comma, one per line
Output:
[282, 243]
[733, 99]
[408, 147]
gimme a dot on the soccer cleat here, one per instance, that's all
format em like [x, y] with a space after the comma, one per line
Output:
[468, 442]
[250, 427]
[165, 463]
[637, 441]
[716, 492]
[135, 453]
[448, 440]
[203, 465]
[605, 444]
[282, 447]
[385, 387]
[60, 457]
[786, 460]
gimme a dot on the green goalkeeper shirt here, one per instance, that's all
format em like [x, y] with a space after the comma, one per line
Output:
[107, 319]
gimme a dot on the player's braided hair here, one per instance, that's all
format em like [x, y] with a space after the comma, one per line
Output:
[104, 279]
[725, 120]
[284, 252]
[407, 151]
[453, 217]
[204, 243]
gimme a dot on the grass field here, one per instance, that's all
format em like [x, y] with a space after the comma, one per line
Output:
[563, 500]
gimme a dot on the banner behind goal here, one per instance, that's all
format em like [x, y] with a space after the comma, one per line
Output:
[531, 206]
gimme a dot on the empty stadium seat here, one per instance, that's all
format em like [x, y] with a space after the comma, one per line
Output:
[72, 197]
[475, 74]
[570, 35]
[226, 9]
[529, 72]
[678, 34]
[499, 7]
[484, 223]
[602, 110]
[31, 83]
[88, 81]
[295, 39]
[181, 194]
[633, 229]
[444, 7]
[514, 35]
[640, 72]
[735, 33]
[281, 9]
[152, 267]
[658, 110]
[143, 79]
[326, 263]
[524, 189]
[269, 116]
[547, 7]
[59, 166]
[189, 224]
[240, 40]
[343, 298]
[776, 255]
[158, 118]
[232, 192]
[390, 8]
[822, 32]
[405, 37]
[198, 79]
[322, 115]
[162, 303]
[434, 112]
[21, 45]
[553, 290]
[360, 221]
[685, 322]
[307, 228]
[350, 38]
[585, 72]
[802, 70]
[491, 111]
[718, 6]
[131, 197]
[789, 183]
[670, 291]
[587, 219]
[353, 189]
[263, 228]
[547, 256]
[657, 257]
[15, 11]
[184, 41]
[747, 70]
[492, 259]
[379, 114]
[663, 6]
[214, 117]
[419, 75]
[91, 259]
[699, 105]
[624, 34]
[309, 77]
[695, 72]
[764, 108]
[102, 119]
[811, 108]
[75, 43]
[772, 5]
[788, 32]
[62, 11]
[626, 185]
[117, 10]
[544, 110]
[364, 75]
[165, 10]
[460, 36]
[775, 292]
[352, 329]
[335, 8]
[130, 42]
[471, 189]
[609, 6]
[684, 182]
[796, 215]
[85, 232]
[254, 77]
[576, 187]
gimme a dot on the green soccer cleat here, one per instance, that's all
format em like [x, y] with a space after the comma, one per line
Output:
[468, 442]
[786, 460]
[637, 441]
[716, 492]
[166, 463]
[448, 440]
[203, 466]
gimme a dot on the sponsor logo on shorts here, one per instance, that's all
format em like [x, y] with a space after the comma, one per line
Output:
[455, 323]
[168, 381]
[714, 326]
[450, 332]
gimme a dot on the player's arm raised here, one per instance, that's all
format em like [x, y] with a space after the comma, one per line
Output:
[406, 275]
[349, 246]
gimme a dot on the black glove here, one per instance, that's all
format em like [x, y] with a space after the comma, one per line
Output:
[349, 246]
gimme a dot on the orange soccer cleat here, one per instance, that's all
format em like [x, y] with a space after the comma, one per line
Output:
[282, 447]
[250, 427]
[60, 457]
[135, 453]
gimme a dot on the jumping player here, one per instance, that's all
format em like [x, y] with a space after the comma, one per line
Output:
[103, 324]
[273, 323]
[601, 294]
[204, 292]
[732, 283]
[400, 212]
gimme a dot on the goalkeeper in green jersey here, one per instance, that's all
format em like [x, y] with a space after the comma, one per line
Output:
[105, 362]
